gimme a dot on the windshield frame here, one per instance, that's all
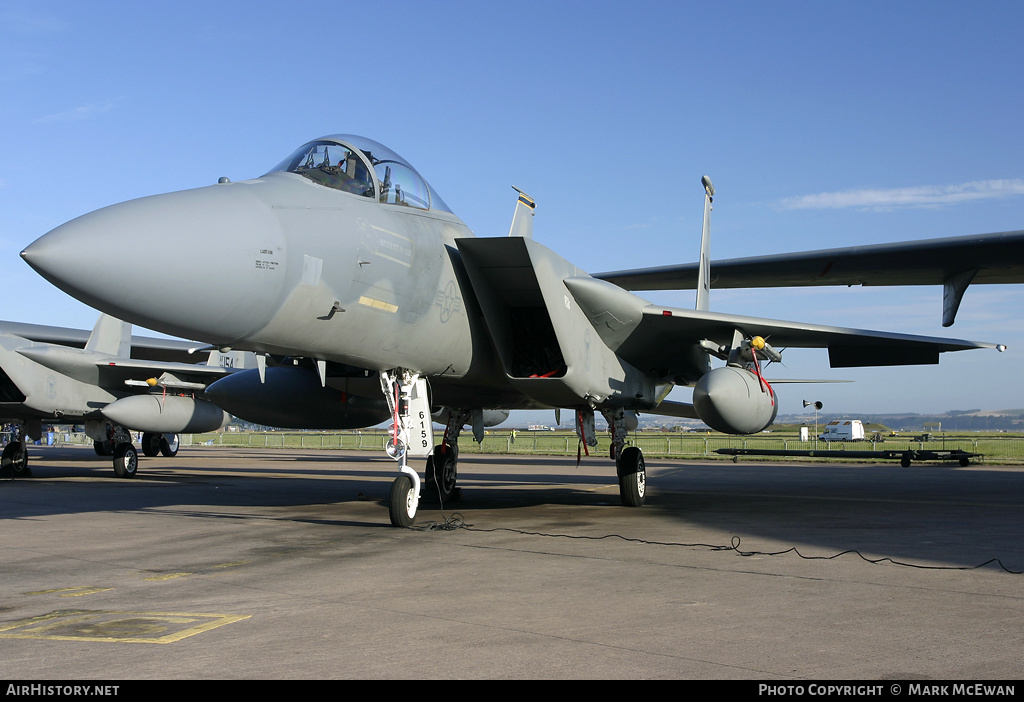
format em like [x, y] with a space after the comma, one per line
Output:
[372, 154]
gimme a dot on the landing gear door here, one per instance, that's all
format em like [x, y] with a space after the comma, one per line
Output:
[420, 424]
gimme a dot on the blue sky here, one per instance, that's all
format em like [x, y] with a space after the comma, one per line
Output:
[821, 124]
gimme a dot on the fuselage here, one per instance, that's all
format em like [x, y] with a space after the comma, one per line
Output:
[342, 253]
[283, 264]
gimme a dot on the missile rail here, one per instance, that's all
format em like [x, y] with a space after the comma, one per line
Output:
[904, 456]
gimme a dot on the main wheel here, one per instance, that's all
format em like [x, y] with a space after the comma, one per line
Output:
[103, 448]
[441, 471]
[151, 443]
[15, 459]
[126, 461]
[169, 445]
[403, 502]
[632, 477]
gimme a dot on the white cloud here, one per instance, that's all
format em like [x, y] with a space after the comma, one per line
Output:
[78, 113]
[921, 196]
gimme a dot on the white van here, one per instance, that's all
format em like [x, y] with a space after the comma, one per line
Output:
[843, 430]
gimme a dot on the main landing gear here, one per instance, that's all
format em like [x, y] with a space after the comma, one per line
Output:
[629, 460]
[441, 472]
[116, 441]
[14, 460]
[632, 476]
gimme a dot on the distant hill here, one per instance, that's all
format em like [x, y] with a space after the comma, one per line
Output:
[953, 420]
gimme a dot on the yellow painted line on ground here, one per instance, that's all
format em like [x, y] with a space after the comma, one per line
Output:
[168, 576]
[71, 591]
[113, 626]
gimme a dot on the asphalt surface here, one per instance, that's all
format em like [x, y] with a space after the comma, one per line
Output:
[281, 564]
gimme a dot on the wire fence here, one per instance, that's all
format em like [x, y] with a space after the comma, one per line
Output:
[1006, 449]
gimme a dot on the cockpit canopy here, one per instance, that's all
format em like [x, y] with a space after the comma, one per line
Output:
[363, 167]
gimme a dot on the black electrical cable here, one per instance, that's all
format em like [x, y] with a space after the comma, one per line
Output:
[457, 521]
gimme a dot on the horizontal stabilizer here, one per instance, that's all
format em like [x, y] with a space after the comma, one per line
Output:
[142, 347]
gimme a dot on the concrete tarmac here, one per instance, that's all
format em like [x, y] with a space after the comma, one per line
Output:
[281, 564]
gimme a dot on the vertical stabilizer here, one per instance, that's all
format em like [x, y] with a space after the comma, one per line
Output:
[522, 220]
[704, 272]
[111, 336]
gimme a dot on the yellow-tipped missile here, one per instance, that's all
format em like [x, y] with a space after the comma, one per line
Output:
[764, 349]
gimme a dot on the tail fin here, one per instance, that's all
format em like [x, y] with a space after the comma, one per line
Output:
[704, 272]
[111, 336]
[522, 220]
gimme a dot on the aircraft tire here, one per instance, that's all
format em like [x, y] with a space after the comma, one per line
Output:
[103, 448]
[402, 504]
[14, 460]
[632, 477]
[443, 480]
[151, 443]
[126, 461]
[169, 445]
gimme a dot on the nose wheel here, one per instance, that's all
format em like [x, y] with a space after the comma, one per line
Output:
[404, 501]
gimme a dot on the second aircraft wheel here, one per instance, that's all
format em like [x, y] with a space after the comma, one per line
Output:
[169, 445]
[632, 477]
[403, 502]
[151, 443]
[126, 461]
[15, 459]
[441, 472]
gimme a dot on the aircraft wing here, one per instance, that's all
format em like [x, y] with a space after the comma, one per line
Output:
[657, 339]
[953, 262]
[175, 376]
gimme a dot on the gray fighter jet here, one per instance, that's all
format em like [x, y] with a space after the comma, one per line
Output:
[107, 380]
[344, 261]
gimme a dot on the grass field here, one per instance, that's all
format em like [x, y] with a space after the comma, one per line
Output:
[1007, 448]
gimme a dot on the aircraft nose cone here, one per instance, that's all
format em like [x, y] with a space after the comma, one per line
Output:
[176, 263]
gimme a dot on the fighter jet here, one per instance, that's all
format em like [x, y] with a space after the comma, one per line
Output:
[344, 265]
[109, 381]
